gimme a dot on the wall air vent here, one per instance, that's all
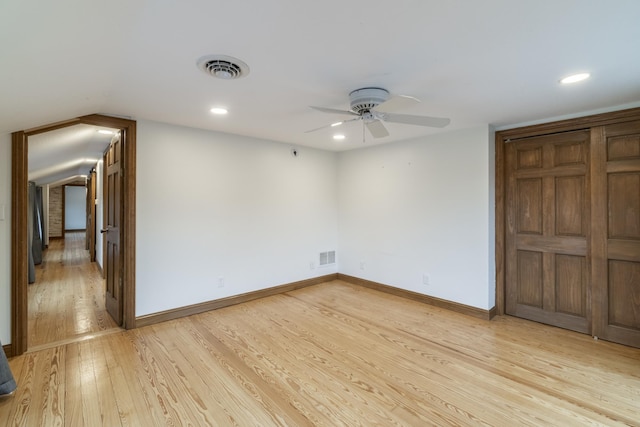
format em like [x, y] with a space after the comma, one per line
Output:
[327, 258]
[223, 67]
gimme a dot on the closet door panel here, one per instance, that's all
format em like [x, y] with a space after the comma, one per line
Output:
[548, 220]
[616, 232]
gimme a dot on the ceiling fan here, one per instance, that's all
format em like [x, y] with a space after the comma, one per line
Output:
[374, 105]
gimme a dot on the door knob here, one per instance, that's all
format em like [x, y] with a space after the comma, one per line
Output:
[104, 230]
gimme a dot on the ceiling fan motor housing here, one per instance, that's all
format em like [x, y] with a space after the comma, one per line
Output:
[365, 99]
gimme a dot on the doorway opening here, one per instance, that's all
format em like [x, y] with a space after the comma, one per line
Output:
[19, 238]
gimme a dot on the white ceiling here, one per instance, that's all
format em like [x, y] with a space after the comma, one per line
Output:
[66, 155]
[492, 62]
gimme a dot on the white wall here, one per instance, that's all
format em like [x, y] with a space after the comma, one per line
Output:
[421, 206]
[213, 205]
[75, 207]
[5, 239]
[99, 213]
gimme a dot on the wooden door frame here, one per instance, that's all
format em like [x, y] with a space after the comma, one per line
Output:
[504, 137]
[93, 231]
[91, 210]
[19, 207]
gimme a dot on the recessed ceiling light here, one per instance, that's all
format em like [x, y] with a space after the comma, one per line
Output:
[105, 132]
[336, 124]
[219, 110]
[338, 137]
[574, 78]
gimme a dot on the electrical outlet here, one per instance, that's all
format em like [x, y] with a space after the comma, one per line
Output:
[221, 282]
[361, 265]
[425, 279]
[312, 265]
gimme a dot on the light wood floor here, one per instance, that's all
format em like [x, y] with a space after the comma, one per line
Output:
[334, 354]
[67, 299]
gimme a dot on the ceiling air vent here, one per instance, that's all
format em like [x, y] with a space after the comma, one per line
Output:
[223, 67]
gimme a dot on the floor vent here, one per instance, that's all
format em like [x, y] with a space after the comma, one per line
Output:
[327, 258]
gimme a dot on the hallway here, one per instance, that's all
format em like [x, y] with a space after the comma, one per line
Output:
[67, 302]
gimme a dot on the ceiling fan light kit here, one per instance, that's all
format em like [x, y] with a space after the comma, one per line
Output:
[366, 99]
[374, 105]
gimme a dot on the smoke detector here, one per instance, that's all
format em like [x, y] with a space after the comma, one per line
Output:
[223, 67]
[365, 99]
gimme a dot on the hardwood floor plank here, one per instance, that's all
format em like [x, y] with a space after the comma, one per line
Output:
[329, 355]
[91, 410]
[39, 397]
[158, 396]
[315, 355]
[270, 393]
[124, 388]
[74, 386]
[109, 409]
[53, 409]
[363, 387]
[176, 368]
[67, 300]
[255, 390]
[384, 372]
[143, 408]
[566, 387]
[7, 408]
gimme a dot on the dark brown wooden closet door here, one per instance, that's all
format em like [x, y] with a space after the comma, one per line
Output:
[616, 243]
[548, 220]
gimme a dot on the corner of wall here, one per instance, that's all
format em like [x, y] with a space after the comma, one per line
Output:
[404, 208]
[492, 218]
[5, 238]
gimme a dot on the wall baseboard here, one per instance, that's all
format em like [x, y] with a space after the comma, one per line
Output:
[176, 313]
[8, 350]
[426, 299]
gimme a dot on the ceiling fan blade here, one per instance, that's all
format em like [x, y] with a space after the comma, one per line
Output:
[333, 125]
[377, 129]
[316, 129]
[395, 103]
[408, 119]
[334, 111]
